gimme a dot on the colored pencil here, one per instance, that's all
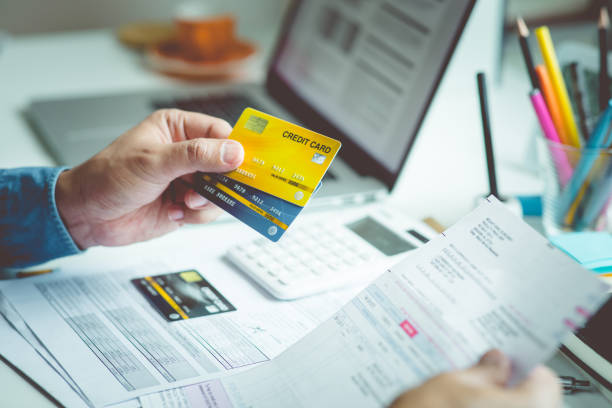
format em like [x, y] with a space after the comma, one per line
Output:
[552, 66]
[552, 103]
[562, 164]
[523, 34]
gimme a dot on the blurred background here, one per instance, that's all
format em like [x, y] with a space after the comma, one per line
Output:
[69, 47]
[36, 16]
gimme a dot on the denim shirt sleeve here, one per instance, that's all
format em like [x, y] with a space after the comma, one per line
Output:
[31, 230]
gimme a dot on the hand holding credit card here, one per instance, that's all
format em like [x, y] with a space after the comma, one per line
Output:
[283, 166]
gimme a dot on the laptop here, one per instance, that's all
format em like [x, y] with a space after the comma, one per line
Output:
[361, 71]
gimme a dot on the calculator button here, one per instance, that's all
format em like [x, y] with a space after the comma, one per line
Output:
[354, 249]
[260, 242]
[291, 249]
[282, 282]
[250, 249]
[339, 236]
[324, 270]
[286, 269]
[290, 262]
[343, 263]
[366, 257]
[274, 253]
[351, 260]
[293, 267]
[336, 246]
[285, 244]
[317, 264]
[305, 258]
[299, 235]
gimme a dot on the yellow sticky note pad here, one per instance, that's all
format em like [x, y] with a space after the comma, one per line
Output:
[281, 159]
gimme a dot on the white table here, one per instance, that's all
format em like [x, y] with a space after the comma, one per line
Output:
[447, 160]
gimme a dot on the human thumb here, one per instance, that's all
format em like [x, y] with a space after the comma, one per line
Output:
[207, 155]
[493, 368]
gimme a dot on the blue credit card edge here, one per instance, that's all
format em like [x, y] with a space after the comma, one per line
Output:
[245, 214]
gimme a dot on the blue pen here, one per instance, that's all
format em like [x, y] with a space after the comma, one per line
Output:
[588, 159]
[602, 192]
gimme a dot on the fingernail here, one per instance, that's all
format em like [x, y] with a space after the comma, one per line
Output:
[492, 358]
[231, 152]
[175, 214]
[197, 201]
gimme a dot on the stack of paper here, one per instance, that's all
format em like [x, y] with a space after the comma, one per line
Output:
[90, 338]
[488, 282]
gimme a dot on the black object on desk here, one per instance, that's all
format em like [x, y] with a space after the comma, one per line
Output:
[604, 79]
[591, 346]
[486, 130]
[571, 385]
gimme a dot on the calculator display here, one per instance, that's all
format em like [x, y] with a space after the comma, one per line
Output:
[379, 236]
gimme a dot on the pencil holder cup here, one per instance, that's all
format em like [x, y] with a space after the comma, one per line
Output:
[578, 188]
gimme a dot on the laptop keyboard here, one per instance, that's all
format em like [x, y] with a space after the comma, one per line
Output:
[225, 106]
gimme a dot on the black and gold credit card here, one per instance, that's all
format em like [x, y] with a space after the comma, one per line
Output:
[182, 295]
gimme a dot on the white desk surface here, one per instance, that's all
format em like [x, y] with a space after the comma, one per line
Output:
[92, 62]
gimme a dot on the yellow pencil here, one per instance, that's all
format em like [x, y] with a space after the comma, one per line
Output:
[552, 66]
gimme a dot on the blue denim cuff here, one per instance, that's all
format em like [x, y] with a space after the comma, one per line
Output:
[66, 245]
[31, 229]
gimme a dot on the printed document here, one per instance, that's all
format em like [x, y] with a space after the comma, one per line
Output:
[110, 345]
[488, 282]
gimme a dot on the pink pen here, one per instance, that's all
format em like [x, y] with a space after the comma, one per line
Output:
[564, 168]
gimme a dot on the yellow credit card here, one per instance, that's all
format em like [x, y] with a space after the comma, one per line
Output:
[281, 159]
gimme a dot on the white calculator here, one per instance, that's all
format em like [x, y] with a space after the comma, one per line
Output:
[330, 252]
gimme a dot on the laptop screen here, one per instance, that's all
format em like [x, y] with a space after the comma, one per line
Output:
[369, 69]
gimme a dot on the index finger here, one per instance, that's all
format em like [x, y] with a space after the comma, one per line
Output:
[183, 125]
